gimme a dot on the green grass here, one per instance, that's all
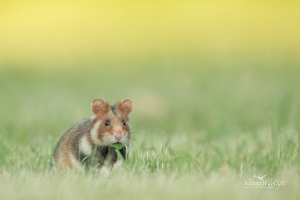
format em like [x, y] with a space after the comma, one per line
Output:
[200, 130]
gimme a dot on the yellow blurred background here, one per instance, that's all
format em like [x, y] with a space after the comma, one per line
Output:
[67, 33]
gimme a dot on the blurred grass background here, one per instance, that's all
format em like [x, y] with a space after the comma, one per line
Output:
[214, 86]
[76, 33]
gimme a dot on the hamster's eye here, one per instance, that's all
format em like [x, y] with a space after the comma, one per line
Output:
[123, 122]
[107, 123]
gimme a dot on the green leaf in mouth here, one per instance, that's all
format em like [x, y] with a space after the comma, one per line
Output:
[117, 145]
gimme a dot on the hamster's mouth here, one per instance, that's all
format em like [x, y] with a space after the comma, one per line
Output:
[117, 145]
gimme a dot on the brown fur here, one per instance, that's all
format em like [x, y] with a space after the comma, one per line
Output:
[89, 142]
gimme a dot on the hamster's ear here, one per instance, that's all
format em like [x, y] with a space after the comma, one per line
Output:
[100, 106]
[125, 106]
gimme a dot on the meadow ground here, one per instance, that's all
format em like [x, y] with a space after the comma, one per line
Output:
[200, 129]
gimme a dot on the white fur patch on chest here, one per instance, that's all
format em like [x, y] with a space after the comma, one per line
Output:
[85, 146]
[94, 132]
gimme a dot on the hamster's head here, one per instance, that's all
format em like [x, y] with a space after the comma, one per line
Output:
[111, 123]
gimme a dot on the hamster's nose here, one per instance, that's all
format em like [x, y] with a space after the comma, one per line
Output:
[118, 136]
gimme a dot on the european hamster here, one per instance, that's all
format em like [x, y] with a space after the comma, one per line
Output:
[89, 143]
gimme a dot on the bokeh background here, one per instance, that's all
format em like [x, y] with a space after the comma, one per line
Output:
[209, 60]
[60, 34]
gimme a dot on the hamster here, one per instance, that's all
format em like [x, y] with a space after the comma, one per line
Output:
[89, 143]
